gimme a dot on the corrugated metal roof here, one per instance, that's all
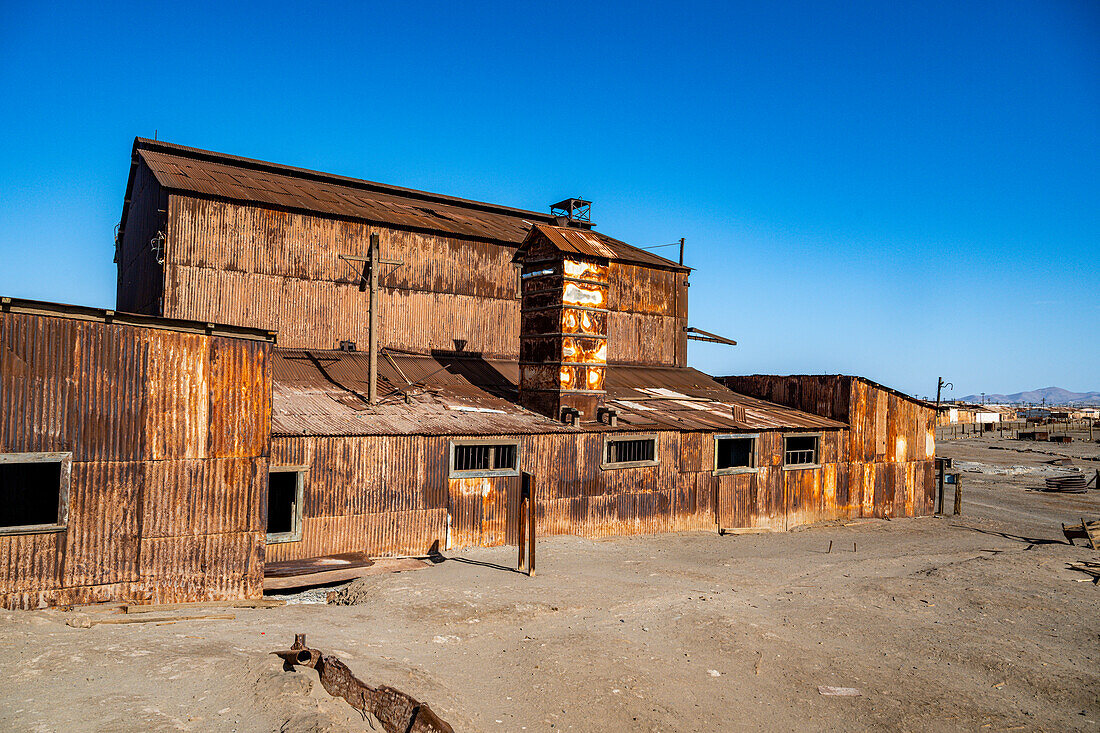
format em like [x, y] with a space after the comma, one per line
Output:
[324, 393]
[191, 170]
[593, 244]
[88, 313]
[681, 398]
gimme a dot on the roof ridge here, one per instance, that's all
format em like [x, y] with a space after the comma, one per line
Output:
[211, 156]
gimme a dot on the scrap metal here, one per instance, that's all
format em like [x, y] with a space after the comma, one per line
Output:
[397, 711]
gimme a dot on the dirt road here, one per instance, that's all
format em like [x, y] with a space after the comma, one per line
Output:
[947, 624]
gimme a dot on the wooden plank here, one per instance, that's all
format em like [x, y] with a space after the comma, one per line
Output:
[380, 567]
[83, 622]
[161, 607]
[306, 566]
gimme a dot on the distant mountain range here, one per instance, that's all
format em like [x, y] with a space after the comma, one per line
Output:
[1052, 395]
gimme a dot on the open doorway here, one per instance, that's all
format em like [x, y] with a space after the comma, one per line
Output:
[284, 503]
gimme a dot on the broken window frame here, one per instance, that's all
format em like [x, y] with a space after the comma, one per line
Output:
[295, 533]
[64, 458]
[606, 465]
[816, 451]
[492, 444]
[753, 461]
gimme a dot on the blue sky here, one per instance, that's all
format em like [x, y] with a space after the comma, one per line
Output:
[901, 191]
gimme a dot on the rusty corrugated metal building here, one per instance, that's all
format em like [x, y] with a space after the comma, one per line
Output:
[133, 456]
[511, 341]
[496, 324]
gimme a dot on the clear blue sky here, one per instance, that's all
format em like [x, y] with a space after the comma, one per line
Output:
[895, 190]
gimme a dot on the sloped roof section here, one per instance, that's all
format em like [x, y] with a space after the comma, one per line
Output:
[324, 393]
[573, 240]
[199, 172]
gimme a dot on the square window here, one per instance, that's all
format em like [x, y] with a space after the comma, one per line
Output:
[733, 453]
[34, 491]
[630, 451]
[471, 459]
[801, 450]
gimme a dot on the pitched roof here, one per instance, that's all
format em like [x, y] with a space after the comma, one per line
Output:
[572, 240]
[323, 393]
[206, 173]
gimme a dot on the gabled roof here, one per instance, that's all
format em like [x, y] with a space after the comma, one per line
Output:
[199, 172]
[573, 240]
[323, 393]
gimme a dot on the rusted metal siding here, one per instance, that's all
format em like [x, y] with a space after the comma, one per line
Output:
[209, 174]
[282, 271]
[392, 495]
[169, 433]
[891, 443]
[649, 310]
[563, 336]
[385, 494]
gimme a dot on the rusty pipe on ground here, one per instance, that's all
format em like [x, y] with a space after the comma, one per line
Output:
[398, 712]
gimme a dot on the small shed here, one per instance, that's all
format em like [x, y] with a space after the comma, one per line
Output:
[133, 456]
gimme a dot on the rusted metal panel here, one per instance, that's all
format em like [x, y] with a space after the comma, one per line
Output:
[210, 174]
[321, 393]
[643, 339]
[280, 266]
[168, 427]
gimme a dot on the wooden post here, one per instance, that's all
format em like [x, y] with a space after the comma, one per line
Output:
[940, 487]
[523, 509]
[530, 481]
[958, 495]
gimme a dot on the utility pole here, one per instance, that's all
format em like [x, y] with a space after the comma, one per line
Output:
[374, 263]
[939, 388]
[681, 250]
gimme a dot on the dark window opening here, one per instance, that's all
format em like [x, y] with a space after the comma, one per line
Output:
[30, 494]
[631, 450]
[486, 458]
[800, 450]
[282, 502]
[735, 453]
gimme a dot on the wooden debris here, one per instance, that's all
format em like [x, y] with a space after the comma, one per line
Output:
[161, 607]
[84, 622]
[1089, 567]
[1088, 531]
[379, 567]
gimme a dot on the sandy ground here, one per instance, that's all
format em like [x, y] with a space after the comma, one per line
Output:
[963, 623]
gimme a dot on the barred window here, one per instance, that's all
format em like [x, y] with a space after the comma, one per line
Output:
[801, 450]
[476, 458]
[630, 451]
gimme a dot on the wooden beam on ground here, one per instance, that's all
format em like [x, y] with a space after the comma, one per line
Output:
[161, 607]
[309, 580]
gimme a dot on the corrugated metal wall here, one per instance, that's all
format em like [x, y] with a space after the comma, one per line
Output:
[169, 434]
[391, 494]
[280, 271]
[891, 443]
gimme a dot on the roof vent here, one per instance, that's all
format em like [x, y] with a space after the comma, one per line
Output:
[573, 212]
